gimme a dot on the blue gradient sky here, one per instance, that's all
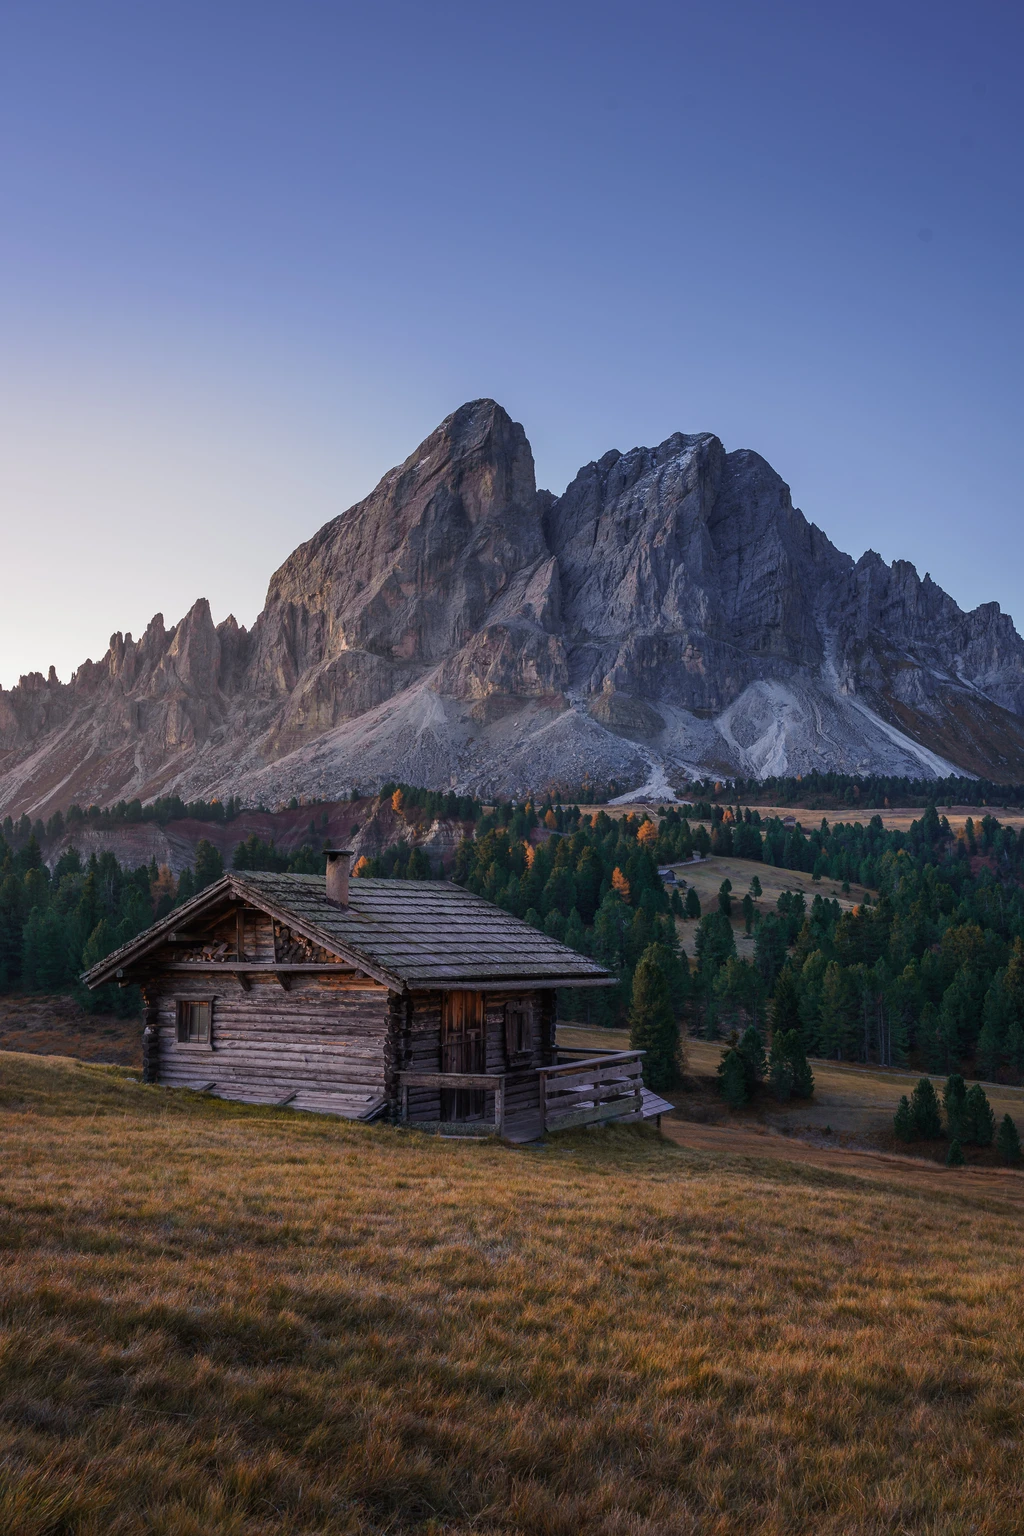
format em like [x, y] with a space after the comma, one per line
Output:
[251, 253]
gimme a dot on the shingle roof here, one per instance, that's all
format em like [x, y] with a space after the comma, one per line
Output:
[410, 934]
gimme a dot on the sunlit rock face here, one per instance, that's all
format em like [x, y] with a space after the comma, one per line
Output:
[671, 613]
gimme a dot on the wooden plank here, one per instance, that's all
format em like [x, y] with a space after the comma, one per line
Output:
[450, 1079]
[604, 1094]
[607, 1059]
[565, 1081]
[593, 1116]
[256, 968]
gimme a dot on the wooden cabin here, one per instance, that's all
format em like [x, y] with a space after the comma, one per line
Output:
[410, 999]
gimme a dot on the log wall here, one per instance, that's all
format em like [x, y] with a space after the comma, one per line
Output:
[421, 1048]
[322, 1044]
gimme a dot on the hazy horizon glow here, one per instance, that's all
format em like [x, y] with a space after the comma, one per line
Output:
[251, 255]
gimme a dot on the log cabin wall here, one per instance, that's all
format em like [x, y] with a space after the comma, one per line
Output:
[422, 1051]
[321, 1044]
[421, 1046]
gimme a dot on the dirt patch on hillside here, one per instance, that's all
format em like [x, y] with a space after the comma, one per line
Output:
[59, 1026]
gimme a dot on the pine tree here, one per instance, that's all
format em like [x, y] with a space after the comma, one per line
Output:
[714, 944]
[575, 934]
[903, 1120]
[954, 1097]
[733, 1078]
[955, 1156]
[803, 1077]
[751, 1050]
[924, 1109]
[652, 1021]
[988, 1049]
[209, 864]
[725, 898]
[1014, 981]
[979, 1121]
[692, 906]
[1008, 1141]
[780, 1067]
[785, 1009]
[1015, 1047]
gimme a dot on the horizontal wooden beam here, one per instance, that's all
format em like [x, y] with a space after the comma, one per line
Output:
[617, 1110]
[610, 1059]
[256, 968]
[450, 1079]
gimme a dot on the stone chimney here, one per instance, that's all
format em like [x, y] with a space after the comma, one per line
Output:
[337, 875]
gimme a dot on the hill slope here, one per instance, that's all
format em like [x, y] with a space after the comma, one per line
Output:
[672, 612]
[373, 1331]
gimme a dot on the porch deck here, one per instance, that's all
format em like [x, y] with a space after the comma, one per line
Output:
[530, 1102]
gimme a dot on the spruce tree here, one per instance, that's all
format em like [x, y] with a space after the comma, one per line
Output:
[751, 1051]
[733, 1078]
[575, 934]
[1008, 1141]
[924, 1109]
[209, 864]
[692, 905]
[1015, 1048]
[903, 1120]
[954, 1098]
[979, 1121]
[652, 1021]
[780, 1068]
[725, 898]
[988, 1049]
[785, 1010]
[955, 1156]
[803, 1077]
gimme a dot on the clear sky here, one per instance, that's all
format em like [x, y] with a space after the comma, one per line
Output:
[251, 253]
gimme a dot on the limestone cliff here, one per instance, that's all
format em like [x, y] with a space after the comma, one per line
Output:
[671, 612]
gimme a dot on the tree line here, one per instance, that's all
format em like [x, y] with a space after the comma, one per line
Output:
[929, 970]
[860, 791]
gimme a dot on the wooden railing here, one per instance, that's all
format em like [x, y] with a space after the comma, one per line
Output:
[574, 1093]
[597, 1088]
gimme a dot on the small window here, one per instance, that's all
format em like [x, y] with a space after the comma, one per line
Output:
[194, 1023]
[518, 1029]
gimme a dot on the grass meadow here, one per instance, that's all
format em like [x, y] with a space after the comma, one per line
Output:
[224, 1319]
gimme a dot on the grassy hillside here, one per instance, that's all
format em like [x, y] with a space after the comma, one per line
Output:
[219, 1318]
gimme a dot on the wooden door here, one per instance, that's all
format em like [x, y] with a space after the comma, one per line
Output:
[463, 1049]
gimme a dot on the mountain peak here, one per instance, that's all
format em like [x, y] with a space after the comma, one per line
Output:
[457, 628]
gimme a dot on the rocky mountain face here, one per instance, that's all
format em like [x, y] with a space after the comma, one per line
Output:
[672, 613]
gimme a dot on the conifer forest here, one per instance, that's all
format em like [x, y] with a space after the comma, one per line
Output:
[928, 971]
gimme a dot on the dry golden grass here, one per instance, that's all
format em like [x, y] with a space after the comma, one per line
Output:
[896, 818]
[707, 876]
[225, 1319]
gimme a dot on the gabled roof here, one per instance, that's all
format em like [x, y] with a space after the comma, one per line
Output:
[408, 934]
